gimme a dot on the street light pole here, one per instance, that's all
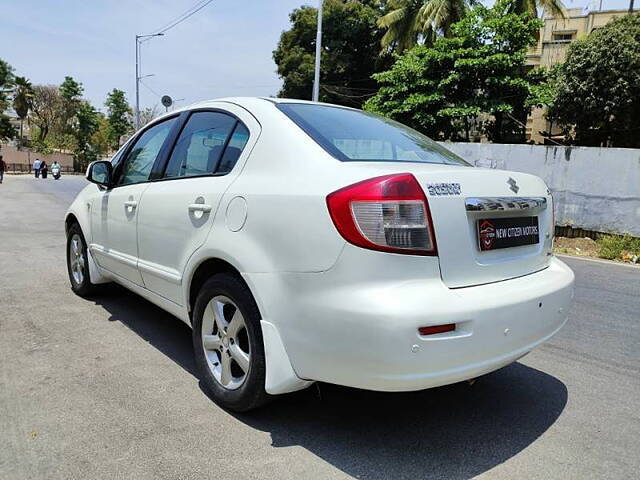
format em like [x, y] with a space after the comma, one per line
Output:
[316, 77]
[137, 119]
[138, 76]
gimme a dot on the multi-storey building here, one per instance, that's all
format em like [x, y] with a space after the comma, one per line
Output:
[555, 37]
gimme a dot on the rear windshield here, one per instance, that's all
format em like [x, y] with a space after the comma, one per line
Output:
[354, 135]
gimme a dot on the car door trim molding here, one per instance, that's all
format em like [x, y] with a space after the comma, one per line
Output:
[113, 254]
[172, 276]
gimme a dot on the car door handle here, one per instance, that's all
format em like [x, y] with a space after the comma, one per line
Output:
[199, 207]
[131, 204]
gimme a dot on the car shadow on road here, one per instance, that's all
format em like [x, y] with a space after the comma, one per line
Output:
[453, 432]
[156, 326]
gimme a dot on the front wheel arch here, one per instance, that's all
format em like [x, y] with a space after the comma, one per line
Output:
[70, 220]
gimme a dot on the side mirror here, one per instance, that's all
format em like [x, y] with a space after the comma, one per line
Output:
[101, 173]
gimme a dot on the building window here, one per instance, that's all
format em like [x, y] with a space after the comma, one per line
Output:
[562, 37]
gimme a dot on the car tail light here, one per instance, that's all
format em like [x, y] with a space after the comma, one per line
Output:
[389, 213]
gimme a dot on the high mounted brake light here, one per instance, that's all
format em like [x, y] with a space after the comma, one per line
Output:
[389, 213]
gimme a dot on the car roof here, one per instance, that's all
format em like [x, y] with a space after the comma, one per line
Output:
[245, 102]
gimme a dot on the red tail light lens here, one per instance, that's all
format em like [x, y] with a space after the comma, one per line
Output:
[389, 213]
[434, 329]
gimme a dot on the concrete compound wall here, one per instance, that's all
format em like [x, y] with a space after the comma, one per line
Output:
[593, 188]
[25, 156]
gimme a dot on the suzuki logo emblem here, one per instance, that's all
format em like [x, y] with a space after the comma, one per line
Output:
[513, 185]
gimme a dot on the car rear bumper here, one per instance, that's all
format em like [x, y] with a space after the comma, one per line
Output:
[359, 328]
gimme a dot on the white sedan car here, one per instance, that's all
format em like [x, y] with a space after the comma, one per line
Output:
[310, 242]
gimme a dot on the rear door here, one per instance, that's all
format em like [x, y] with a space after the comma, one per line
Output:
[177, 210]
[114, 212]
[490, 225]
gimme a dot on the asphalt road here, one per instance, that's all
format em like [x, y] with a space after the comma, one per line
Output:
[106, 388]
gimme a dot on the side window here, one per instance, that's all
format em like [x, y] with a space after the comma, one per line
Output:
[141, 157]
[239, 139]
[200, 147]
[116, 160]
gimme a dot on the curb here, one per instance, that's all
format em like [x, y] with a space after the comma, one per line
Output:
[599, 260]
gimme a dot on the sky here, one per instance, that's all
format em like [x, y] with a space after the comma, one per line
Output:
[223, 50]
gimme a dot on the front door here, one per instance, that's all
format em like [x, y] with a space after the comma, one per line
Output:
[177, 212]
[114, 212]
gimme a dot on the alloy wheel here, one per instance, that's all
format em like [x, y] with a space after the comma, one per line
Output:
[76, 259]
[226, 342]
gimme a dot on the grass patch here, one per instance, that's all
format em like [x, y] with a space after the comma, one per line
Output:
[580, 246]
[617, 247]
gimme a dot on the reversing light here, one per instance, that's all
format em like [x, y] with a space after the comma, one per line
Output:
[388, 213]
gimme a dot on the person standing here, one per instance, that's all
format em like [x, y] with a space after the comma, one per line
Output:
[3, 166]
[44, 169]
[36, 167]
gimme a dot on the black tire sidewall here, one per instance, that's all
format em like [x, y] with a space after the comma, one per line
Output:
[86, 287]
[251, 393]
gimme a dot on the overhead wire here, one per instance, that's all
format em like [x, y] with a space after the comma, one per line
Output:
[181, 18]
[150, 89]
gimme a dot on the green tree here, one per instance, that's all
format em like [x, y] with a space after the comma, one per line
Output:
[87, 123]
[531, 7]
[118, 117]
[442, 90]
[598, 92]
[71, 99]
[6, 81]
[22, 98]
[350, 43]
[6, 84]
[411, 22]
[100, 138]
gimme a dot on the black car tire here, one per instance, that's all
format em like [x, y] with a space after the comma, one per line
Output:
[251, 393]
[84, 287]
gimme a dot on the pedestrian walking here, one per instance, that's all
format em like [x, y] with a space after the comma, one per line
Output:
[44, 169]
[36, 167]
[3, 166]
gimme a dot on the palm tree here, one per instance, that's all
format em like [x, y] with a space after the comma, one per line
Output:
[409, 22]
[554, 7]
[23, 94]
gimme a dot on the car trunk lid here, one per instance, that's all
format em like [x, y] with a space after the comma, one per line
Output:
[511, 208]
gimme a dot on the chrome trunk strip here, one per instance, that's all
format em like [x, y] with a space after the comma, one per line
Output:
[504, 204]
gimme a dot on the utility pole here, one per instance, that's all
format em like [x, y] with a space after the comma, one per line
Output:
[630, 6]
[316, 77]
[138, 76]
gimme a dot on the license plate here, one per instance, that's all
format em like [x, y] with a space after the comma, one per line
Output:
[495, 233]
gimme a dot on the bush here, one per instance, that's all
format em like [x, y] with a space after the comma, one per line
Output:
[616, 247]
[598, 86]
